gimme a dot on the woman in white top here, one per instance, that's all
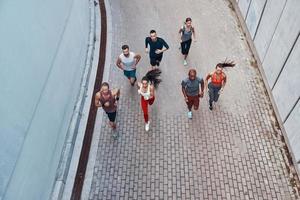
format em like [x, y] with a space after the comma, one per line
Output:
[146, 88]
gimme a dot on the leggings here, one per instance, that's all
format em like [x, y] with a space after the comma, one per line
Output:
[144, 104]
[185, 46]
[213, 93]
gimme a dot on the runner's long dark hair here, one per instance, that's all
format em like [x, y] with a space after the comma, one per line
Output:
[152, 76]
[226, 64]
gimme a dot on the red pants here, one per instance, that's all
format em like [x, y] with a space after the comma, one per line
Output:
[144, 104]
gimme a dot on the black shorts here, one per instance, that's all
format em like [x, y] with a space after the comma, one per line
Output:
[112, 116]
[154, 61]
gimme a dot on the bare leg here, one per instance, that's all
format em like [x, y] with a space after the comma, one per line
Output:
[132, 80]
[152, 68]
[113, 125]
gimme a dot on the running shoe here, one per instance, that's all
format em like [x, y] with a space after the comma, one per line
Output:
[147, 126]
[190, 115]
[115, 136]
[185, 63]
[210, 106]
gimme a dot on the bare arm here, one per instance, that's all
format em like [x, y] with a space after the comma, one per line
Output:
[97, 100]
[119, 63]
[183, 85]
[137, 58]
[194, 35]
[224, 81]
[158, 51]
[152, 93]
[184, 94]
[202, 89]
[206, 80]
[138, 85]
[116, 93]
[180, 34]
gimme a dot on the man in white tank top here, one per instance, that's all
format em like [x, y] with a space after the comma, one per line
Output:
[127, 62]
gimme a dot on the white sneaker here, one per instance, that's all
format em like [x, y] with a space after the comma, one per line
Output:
[185, 63]
[190, 115]
[147, 126]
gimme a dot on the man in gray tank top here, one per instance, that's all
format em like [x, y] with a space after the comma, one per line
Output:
[127, 62]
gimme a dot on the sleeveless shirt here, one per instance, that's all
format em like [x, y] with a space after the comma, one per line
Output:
[128, 62]
[111, 108]
[186, 35]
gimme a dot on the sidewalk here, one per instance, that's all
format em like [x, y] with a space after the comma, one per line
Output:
[228, 153]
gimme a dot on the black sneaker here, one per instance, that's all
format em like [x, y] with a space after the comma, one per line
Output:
[210, 106]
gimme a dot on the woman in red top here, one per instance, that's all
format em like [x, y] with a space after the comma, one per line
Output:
[217, 82]
[107, 99]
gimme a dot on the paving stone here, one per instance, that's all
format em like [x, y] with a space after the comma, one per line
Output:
[227, 153]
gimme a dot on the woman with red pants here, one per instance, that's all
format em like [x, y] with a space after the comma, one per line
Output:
[146, 88]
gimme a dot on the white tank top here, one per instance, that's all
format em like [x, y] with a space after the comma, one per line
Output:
[128, 62]
[146, 94]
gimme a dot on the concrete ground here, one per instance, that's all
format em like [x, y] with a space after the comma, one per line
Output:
[228, 153]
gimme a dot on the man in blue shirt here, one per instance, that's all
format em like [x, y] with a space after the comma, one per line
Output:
[157, 47]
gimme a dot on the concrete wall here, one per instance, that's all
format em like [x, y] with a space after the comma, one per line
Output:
[42, 58]
[275, 26]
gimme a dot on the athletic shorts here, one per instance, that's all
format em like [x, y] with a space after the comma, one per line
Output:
[130, 74]
[112, 116]
[193, 101]
[154, 61]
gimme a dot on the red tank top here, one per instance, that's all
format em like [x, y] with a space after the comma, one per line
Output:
[111, 100]
[217, 79]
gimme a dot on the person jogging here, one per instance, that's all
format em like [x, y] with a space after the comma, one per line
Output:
[127, 62]
[186, 32]
[191, 91]
[146, 88]
[217, 82]
[107, 99]
[157, 47]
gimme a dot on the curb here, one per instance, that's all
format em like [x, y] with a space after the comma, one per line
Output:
[78, 119]
[84, 144]
[87, 185]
